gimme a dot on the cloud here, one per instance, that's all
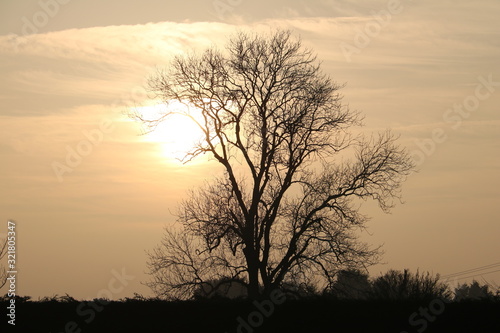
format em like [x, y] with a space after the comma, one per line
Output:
[94, 65]
[407, 73]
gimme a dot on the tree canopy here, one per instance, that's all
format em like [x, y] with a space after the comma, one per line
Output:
[283, 210]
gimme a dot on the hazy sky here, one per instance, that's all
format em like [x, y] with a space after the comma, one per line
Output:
[429, 70]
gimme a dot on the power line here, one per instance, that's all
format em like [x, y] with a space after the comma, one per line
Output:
[472, 270]
[466, 277]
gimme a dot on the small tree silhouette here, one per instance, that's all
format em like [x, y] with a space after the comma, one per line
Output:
[351, 284]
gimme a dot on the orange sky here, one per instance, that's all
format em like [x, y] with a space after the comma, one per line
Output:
[70, 70]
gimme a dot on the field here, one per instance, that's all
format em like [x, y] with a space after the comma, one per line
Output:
[319, 315]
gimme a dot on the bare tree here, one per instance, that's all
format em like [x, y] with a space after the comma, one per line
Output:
[284, 210]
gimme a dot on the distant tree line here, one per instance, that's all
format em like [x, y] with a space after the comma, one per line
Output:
[353, 284]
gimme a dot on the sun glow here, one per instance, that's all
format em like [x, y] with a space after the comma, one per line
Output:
[176, 135]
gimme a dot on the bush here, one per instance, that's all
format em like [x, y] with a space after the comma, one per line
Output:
[397, 285]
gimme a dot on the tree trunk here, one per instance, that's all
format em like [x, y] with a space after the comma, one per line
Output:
[253, 273]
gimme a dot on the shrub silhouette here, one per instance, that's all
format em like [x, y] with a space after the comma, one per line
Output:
[219, 289]
[403, 285]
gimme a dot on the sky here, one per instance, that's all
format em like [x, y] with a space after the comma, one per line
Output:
[90, 194]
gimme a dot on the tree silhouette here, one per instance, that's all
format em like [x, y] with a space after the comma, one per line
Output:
[284, 210]
[472, 291]
[404, 285]
[351, 284]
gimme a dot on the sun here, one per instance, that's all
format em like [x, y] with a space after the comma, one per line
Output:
[176, 135]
